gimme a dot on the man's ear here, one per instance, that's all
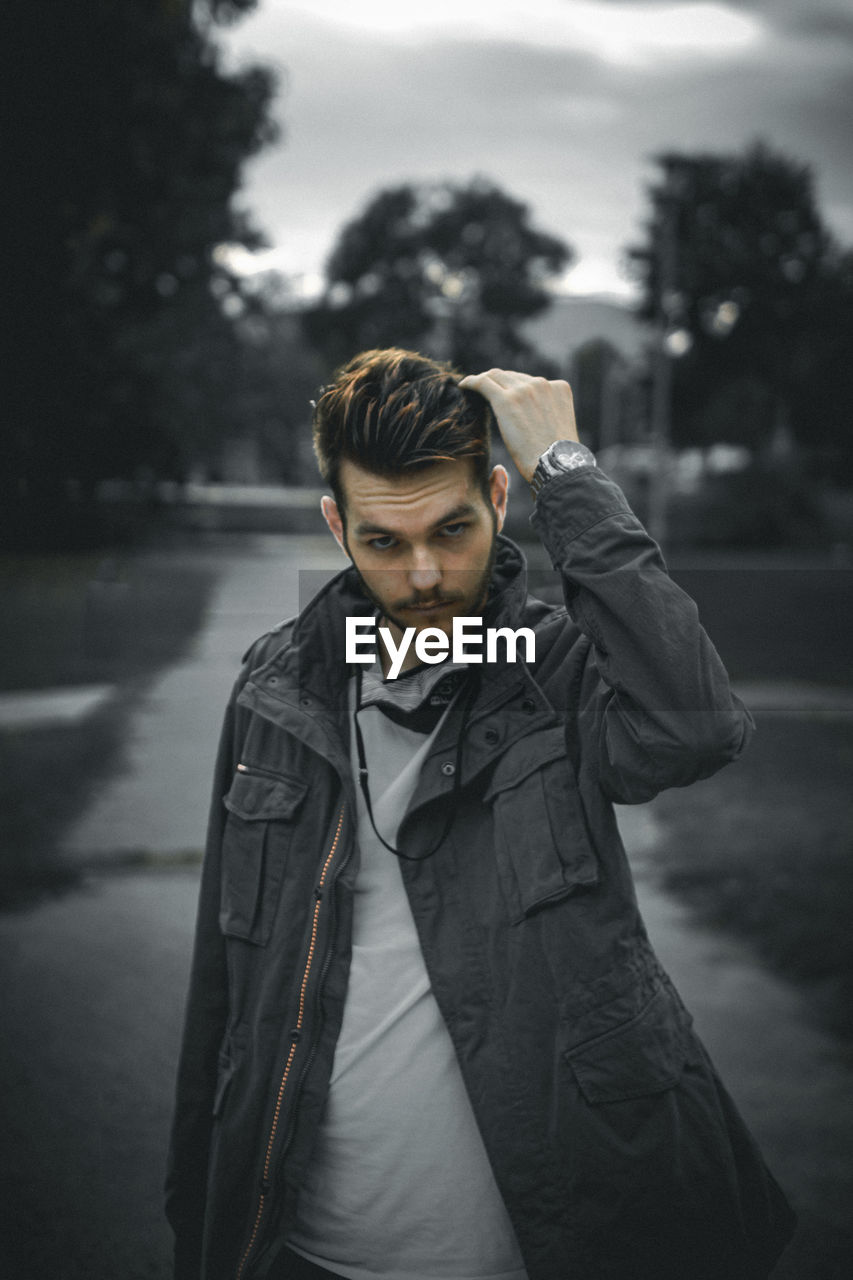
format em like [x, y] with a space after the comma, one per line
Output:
[499, 492]
[332, 516]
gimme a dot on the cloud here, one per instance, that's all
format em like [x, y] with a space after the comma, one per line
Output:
[616, 31]
[561, 127]
[816, 21]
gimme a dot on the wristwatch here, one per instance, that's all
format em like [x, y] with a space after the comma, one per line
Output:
[558, 458]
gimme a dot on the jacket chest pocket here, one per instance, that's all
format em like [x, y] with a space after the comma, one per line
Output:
[542, 847]
[258, 833]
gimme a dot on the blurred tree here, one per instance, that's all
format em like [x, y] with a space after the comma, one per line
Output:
[599, 380]
[282, 375]
[739, 267]
[451, 269]
[822, 399]
[127, 155]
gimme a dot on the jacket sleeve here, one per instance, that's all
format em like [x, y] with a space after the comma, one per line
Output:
[204, 1027]
[655, 703]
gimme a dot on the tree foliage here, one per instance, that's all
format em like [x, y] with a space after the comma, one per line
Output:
[130, 142]
[737, 254]
[450, 268]
[599, 379]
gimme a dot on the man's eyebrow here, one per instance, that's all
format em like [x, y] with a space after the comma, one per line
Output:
[457, 513]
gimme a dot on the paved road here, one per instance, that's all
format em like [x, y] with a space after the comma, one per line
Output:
[94, 985]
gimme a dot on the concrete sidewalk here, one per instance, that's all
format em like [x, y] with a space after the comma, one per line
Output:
[784, 1073]
[158, 804]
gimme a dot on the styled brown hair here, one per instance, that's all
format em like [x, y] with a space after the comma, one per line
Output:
[392, 411]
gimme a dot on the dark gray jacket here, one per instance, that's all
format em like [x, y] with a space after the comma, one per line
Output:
[618, 1153]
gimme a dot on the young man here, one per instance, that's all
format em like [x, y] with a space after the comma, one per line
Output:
[427, 1037]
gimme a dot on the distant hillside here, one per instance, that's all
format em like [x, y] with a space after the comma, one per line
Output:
[572, 321]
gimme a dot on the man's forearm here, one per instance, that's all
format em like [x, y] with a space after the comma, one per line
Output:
[659, 698]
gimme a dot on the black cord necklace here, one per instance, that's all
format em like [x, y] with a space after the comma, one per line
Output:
[457, 773]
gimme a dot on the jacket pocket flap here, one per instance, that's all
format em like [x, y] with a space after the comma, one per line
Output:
[524, 758]
[643, 1056]
[254, 797]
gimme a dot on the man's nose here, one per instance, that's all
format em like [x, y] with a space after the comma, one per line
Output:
[425, 572]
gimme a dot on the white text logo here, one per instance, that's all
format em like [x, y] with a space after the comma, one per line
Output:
[432, 645]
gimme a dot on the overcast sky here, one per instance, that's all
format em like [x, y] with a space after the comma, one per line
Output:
[561, 102]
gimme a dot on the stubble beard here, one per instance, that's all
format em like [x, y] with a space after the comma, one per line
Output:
[481, 594]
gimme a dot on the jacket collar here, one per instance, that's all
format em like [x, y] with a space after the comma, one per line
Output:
[302, 687]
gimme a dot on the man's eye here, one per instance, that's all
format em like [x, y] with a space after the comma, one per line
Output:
[383, 543]
[454, 530]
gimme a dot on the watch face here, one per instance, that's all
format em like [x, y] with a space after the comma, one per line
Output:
[566, 454]
[560, 457]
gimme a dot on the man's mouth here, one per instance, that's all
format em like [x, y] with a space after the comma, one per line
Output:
[435, 606]
[427, 608]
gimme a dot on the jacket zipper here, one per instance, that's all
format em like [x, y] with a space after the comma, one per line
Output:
[287, 1066]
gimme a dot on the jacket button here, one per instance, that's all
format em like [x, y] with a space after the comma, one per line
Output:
[492, 735]
[305, 702]
[528, 706]
[448, 769]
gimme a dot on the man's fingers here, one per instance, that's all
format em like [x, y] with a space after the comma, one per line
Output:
[491, 378]
[531, 412]
[507, 382]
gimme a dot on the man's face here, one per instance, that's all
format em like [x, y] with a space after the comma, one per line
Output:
[423, 544]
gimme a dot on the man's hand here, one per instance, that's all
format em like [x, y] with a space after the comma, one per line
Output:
[531, 413]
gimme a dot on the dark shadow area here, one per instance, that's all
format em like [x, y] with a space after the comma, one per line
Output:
[778, 617]
[81, 620]
[46, 778]
[775, 619]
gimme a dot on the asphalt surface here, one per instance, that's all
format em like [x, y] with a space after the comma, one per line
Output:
[94, 986]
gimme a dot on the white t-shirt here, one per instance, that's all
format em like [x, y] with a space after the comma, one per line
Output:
[400, 1186]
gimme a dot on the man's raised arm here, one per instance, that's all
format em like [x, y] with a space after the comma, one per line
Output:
[655, 700]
